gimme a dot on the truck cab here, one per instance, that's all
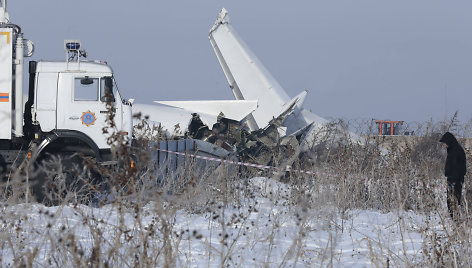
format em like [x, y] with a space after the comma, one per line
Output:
[73, 96]
[73, 105]
[74, 114]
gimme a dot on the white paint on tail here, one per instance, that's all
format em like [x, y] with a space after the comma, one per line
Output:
[250, 80]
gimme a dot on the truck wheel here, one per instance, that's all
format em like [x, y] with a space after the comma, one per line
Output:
[63, 178]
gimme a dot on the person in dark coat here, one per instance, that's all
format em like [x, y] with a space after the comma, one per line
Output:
[454, 171]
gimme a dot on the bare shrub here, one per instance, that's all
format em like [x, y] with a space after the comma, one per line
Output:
[141, 206]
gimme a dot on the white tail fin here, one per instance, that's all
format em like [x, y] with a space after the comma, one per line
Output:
[250, 80]
[246, 75]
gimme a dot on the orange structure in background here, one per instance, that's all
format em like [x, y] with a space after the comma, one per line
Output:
[388, 127]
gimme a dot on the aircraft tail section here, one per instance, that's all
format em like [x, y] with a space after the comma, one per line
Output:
[246, 75]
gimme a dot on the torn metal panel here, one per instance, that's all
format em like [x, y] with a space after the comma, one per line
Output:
[170, 162]
[263, 146]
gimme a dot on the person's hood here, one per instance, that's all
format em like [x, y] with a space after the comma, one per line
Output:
[448, 139]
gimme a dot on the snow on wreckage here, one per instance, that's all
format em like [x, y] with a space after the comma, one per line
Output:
[263, 125]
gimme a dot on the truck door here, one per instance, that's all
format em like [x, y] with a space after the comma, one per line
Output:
[82, 104]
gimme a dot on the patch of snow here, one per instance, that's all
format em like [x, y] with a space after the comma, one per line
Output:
[263, 233]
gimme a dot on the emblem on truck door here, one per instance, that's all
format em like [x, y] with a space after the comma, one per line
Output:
[88, 118]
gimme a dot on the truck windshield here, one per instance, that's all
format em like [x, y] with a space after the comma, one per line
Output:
[117, 92]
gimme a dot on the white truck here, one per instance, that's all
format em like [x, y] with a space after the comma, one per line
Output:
[66, 106]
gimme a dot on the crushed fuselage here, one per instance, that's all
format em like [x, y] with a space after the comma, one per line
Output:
[264, 146]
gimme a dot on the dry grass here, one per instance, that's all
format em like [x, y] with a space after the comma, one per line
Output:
[142, 225]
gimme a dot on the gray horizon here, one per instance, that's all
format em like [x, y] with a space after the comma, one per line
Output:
[402, 60]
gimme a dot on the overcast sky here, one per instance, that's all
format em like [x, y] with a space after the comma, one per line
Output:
[402, 60]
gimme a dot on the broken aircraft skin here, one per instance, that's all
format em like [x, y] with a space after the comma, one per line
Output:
[264, 146]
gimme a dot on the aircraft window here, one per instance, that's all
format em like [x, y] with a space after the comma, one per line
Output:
[86, 89]
[107, 90]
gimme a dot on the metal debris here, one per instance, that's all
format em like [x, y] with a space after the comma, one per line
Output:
[264, 146]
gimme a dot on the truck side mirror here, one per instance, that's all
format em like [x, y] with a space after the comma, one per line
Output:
[86, 81]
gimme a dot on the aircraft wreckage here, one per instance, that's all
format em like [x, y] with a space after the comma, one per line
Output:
[262, 125]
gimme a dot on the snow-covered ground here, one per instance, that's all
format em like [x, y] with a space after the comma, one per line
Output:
[265, 231]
